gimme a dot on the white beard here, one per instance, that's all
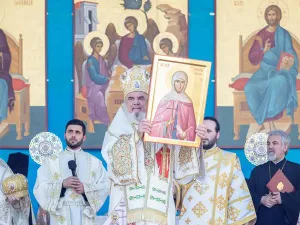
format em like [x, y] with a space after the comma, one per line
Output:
[135, 117]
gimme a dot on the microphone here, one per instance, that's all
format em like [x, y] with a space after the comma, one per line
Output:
[72, 166]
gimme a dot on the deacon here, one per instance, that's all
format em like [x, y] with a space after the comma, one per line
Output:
[223, 197]
[15, 205]
[73, 185]
[276, 207]
[142, 172]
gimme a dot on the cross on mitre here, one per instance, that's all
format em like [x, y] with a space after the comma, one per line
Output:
[135, 79]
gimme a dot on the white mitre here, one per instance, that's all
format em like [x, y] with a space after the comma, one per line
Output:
[135, 79]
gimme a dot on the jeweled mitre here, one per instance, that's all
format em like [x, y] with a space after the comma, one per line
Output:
[135, 79]
[15, 185]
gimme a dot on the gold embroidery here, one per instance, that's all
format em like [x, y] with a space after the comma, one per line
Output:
[210, 222]
[237, 164]
[201, 188]
[223, 180]
[216, 157]
[226, 162]
[211, 199]
[61, 219]
[219, 221]
[199, 209]
[235, 177]
[121, 156]
[231, 191]
[185, 156]
[233, 213]
[250, 206]
[188, 221]
[244, 186]
[74, 195]
[56, 176]
[221, 202]
[211, 152]
[213, 177]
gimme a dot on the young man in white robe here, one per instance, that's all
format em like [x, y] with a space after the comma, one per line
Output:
[72, 197]
[223, 197]
[143, 173]
[13, 210]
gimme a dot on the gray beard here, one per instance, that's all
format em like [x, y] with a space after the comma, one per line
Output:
[271, 156]
[137, 116]
[134, 117]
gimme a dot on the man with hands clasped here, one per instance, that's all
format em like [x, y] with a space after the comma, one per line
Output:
[274, 208]
[73, 185]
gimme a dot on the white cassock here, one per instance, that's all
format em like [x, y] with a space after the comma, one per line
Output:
[143, 173]
[223, 198]
[17, 214]
[71, 209]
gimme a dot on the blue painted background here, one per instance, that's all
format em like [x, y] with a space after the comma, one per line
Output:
[60, 72]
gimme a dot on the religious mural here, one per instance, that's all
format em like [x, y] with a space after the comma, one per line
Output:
[177, 100]
[111, 38]
[22, 72]
[258, 83]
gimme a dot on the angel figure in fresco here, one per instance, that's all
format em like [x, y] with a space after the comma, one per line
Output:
[7, 96]
[166, 45]
[272, 89]
[96, 78]
[133, 48]
[175, 116]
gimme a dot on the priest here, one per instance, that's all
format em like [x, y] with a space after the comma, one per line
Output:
[143, 173]
[276, 207]
[73, 185]
[15, 205]
[223, 197]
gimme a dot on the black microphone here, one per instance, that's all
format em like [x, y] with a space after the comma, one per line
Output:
[72, 166]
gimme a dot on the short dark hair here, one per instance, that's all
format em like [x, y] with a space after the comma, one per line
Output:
[214, 120]
[76, 122]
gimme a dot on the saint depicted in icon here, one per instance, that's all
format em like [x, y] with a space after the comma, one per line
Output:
[175, 116]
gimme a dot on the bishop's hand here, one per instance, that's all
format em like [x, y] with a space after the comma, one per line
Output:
[144, 127]
[201, 131]
[12, 199]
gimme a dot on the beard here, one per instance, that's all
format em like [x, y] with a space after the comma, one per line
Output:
[137, 116]
[272, 22]
[272, 156]
[208, 144]
[74, 145]
[134, 117]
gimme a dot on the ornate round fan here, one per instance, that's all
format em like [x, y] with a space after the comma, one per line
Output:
[44, 145]
[256, 148]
